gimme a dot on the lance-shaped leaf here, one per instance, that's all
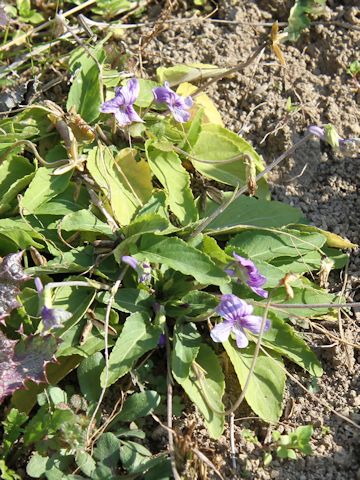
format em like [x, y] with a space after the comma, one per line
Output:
[137, 337]
[22, 360]
[266, 388]
[205, 386]
[167, 168]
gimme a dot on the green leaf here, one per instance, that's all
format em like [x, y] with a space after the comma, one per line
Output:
[75, 300]
[138, 405]
[186, 348]
[167, 168]
[36, 466]
[84, 221]
[129, 300]
[249, 211]
[16, 173]
[122, 198]
[211, 248]
[215, 143]
[70, 200]
[266, 388]
[133, 454]
[77, 260]
[308, 294]
[146, 96]
[194, 305]
[85, 462]
[12, 429]
[207, 393]
[43, 187]
[88, 375]
[298, 18]
[146, 223]
[267, 459]
[137, 337]
[107, 450]
[265, 245]
[20, 234]
[283, 339]
[85, 91]
[177, 254]
[187, 73]
[6, 473]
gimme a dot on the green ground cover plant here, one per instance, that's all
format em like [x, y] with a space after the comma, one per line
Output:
[123, 270]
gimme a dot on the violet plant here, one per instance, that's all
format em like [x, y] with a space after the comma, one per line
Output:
[151, 283]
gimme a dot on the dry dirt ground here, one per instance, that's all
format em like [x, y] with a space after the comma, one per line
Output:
[323, 184]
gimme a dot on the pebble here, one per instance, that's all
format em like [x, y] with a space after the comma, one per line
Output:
[275, 474]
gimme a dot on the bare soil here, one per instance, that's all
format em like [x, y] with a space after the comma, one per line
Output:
[324, 185]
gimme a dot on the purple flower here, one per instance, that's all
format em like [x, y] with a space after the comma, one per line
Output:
[143, 269]
[122, 104]
[38, 285]
[162, 340]
[237, 316]
[247, 272]
[3, 17]
[177, 104]
[53, 317]
[327, 134]
[318, 131]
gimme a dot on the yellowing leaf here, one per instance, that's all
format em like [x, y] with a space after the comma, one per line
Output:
[332, 239]
[188, 73]
[138, 173]
[202, 101]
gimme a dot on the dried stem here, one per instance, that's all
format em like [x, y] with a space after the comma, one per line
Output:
[114, 290]
[169, 412]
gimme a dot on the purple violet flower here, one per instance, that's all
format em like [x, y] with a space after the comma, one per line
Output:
[53, 317]
[237, 316]
[246, 271]
[177, 104]
[162, 340]
[122, 104]
[4, 19]
[38, 285]
[142, 269]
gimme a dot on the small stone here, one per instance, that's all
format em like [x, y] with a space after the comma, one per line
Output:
[341, 459]
[275, 474]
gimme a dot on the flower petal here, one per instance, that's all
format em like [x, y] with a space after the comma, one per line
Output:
[131, 261]
[132, 114]
[318, 131]
[38, 285]
[232, 308]
[180, 114]
[111, 106]
[164, 94]
[122, 117]
[221, 332]
[130, 91]
[53, 317]
[253, 323]
[241, 339]
[260, 291]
